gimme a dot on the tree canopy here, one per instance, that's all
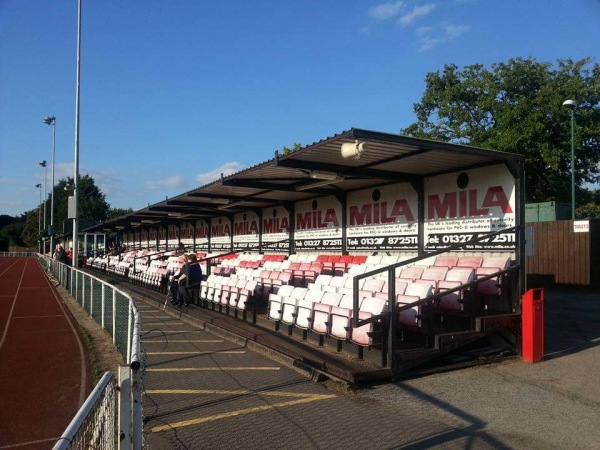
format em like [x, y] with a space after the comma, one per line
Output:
[92, 206]
[517, 107]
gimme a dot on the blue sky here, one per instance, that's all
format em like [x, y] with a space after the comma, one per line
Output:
[175, 92]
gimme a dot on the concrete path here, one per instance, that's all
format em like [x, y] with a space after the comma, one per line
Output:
[205, 391]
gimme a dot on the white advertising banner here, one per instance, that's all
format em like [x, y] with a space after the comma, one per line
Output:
[186, 234]
[162, 237]
[383, 218]
[202, 232]
[245, 231]
[220, 234]
[460, 207]
[276, 227]
[173, 234]
[318, 224]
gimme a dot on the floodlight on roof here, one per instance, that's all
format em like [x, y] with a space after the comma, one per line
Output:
[353, 150]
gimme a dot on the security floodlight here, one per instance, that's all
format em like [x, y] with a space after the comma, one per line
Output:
[39, 185]
[353, 150]
[42, 163]
[571, 104]
[49, 120]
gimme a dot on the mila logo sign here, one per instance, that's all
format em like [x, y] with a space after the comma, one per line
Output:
[468, 203]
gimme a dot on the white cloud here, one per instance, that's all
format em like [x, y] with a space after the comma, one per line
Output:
[174, 182]
[417, 12]
[8, 180]
[385, 11]
[424, 30]
[225, 169]
[454, 31]
[428, 43]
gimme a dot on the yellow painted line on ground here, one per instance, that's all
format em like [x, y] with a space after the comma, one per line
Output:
[236, 352]
[208, 369]
[186, 423]
[237, 392]
[207, 341]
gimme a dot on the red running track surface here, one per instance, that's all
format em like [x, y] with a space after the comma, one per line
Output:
[44, 376]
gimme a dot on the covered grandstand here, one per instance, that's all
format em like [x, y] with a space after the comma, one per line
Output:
[365, 240]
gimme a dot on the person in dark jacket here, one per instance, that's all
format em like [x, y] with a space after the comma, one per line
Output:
[189, 279]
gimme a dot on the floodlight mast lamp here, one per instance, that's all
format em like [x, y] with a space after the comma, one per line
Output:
[51, 120]
[572, 104]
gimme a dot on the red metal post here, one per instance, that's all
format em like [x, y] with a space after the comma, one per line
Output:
[532, 317]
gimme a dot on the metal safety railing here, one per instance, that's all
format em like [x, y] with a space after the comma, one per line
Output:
[112, 416]
[116, 312]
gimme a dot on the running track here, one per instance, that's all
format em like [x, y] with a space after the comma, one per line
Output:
[43, 363]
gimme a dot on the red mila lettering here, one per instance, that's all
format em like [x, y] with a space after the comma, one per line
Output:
[402, 208]
[445, 208]
[362, 216]
[330, 217]
[496, 196]
[458, 204]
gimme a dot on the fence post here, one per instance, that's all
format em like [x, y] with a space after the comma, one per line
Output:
[114, 316]
[124, 408]
[103, 304]
[137, 420]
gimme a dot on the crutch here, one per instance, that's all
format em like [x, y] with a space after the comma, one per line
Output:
[168, 296]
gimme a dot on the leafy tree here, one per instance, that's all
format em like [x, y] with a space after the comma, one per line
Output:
[92, 206]
[113, 213]
[517, 107]
[287, 150]
[12, 233]
[588, 211]
[6, 220]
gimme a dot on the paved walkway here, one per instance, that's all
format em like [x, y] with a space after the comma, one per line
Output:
[205, 391]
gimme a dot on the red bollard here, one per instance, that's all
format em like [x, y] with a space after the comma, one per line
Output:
[532, 317]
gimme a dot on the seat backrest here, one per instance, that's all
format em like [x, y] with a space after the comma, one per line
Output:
[346, 259]
[411, 272]
[373, 259]
[400, 286]
[373, 285]
[331, 298]
[322, 258]
[314, 296]
[389, 259]
[421, 290]
[373, 305]
[323, 280]
[434, 273]
[346, 302]
[502, 262]
[357, 269]
[446, 261]
[299, 293]
[483, 271]
[337, 281]
[464, 276]
[359, 259]
[285, 290]
[470, 261]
